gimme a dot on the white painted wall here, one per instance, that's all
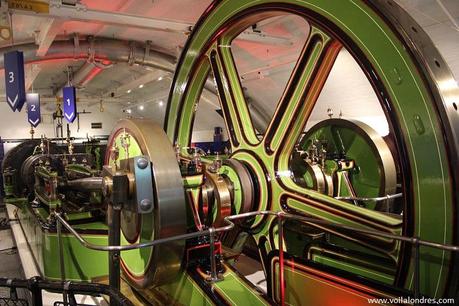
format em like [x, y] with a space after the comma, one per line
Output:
[207, 135]
[15, 125]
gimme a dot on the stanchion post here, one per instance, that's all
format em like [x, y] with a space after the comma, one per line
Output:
[213, 261]
[416, 275]
[117, 200]
[114, 256]
[61, 249]
[37, 299]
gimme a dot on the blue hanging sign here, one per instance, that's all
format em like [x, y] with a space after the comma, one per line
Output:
[14, 79]
[33, 109]
[70, 109]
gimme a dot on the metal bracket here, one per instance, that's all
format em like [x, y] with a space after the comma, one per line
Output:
[131, 57]
[119, 194]
[91, 49]
[143, 175]
[76, 45]
[131, 188]
[147, 50]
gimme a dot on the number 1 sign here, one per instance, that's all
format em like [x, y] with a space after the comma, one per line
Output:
[70, 109]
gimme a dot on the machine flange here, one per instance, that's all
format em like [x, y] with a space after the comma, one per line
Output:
[150, 267]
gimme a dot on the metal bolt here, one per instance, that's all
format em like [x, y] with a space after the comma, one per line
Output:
[145, 204]
[142, 163]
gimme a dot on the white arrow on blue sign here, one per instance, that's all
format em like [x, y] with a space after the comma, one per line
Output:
[69, 97]
[33, 109]
[14, 79]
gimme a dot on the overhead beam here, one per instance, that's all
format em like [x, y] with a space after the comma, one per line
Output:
[31, 74]
[448, 14]
[121, 8]
[81, 12]
[49, 29]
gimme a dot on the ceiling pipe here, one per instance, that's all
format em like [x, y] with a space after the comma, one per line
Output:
[100, 49]
[103, 49]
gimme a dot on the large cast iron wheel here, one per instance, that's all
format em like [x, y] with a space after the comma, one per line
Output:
[414, 88]
[155, 266]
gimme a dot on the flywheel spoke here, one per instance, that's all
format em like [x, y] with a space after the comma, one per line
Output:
[232, 101]
[302, 90]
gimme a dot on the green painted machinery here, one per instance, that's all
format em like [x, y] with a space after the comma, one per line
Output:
[42, 179]
[339, 170]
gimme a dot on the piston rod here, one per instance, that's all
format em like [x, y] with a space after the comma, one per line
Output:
[88, 184]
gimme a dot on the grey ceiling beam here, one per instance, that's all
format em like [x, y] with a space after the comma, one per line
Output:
[448, 14]
[60, 11]
[31, 74]
[48, 31]
[81, 12]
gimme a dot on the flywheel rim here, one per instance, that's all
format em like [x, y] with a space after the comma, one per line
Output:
[189, 79]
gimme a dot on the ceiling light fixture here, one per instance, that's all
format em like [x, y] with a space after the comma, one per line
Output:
[160, 78]
[128, 111]
[129, 90]
[161, 103]
[141, 107]
[141, 86]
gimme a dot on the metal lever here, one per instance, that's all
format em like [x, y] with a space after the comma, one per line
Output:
[213, 261]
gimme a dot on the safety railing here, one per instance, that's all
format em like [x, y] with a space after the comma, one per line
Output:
[281, 216]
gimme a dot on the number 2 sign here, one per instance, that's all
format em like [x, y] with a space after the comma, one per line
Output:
[33, 109]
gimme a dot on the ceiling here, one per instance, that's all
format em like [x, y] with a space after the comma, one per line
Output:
[264, 57]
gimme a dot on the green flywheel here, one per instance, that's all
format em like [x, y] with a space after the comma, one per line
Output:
[375, 33]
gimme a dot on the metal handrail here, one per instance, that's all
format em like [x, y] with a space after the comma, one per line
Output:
[108, 248]
[211, 232]
[230, 225]
[375, 199]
